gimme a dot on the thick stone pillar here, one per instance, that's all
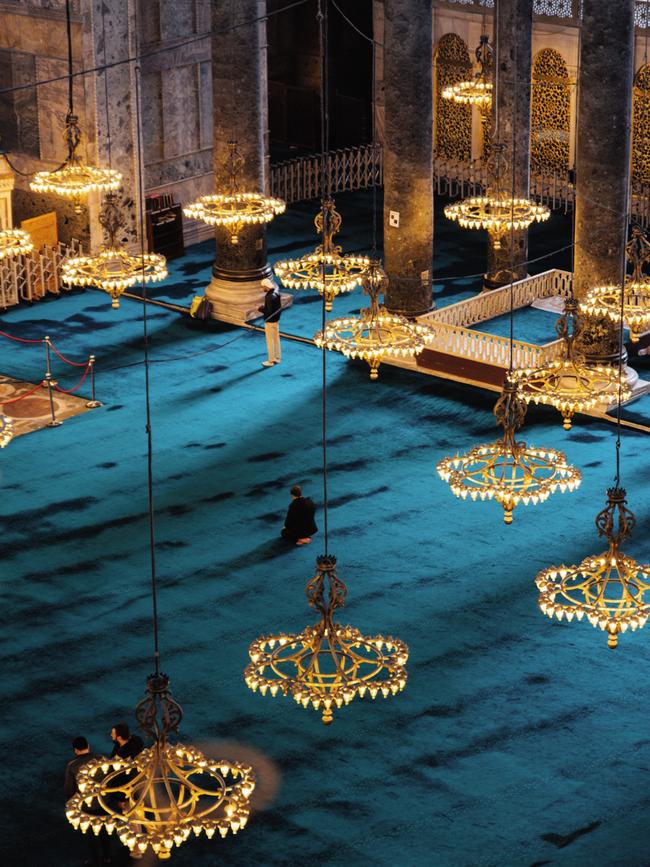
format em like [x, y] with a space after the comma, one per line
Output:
[240, 110]
[511, 118]
[408, 148]
[606, 70]
[110, 36]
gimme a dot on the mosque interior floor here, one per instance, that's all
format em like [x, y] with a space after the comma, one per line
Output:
[517, 741]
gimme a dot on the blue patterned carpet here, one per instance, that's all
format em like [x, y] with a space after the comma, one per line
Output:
[517, 742]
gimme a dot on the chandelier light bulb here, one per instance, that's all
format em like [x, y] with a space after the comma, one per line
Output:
[327, 665]
[6, 430]
[509, 471]
[234, 208]
[610, 590]
[165, 794]
[14, 242]
[326, 270]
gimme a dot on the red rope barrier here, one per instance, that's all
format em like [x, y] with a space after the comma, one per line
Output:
[67, 360]
[4, 403]
[78, 385]
[19, 339]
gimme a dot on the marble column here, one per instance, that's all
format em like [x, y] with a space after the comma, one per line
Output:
[240, 111]
[606, 70]
[110, 36]
[7, 184]
[511, 118]
[408, 146]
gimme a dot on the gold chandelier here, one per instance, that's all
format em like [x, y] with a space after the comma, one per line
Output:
[508, 471]
[497, 211]
[610, 590]
[478, 90]
[375, 333]
[167, 792]
[234, 209]
[327, 665]
[74, 179]
[569, 384]
[113, 269]
[326, 270]
[605, 301]
[6, 430]
[14, 242]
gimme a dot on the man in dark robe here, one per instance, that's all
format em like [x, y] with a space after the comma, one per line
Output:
[299, 525]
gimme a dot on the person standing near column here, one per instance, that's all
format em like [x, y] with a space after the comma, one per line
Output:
[272, 310]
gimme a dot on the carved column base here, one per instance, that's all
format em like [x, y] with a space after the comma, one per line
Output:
[238, 302]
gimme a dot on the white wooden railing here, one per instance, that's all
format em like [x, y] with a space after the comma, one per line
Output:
[452, 334]
[30, 277]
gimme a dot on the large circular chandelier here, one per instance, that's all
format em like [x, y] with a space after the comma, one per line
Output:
[327, 665]
[478, 90]
[569, 384]
[634, 306]
[234, 209]
[610, 590]
[166, 793]
[113, 269]
[326, 270]
[374, 333]
[74, 179]
[14, 242]
[497, 211]
[6, 430]
[508, 471]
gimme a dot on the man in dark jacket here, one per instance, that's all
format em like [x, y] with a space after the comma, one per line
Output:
[125, 745]
[98, 846]
[299, 525]
[271, 311]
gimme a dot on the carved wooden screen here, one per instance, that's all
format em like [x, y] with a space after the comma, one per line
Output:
[641, 127]
[551, 112]
[453, 123]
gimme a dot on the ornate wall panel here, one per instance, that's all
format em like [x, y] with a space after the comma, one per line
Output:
[551, 112]
[641, 127]
[453, 123]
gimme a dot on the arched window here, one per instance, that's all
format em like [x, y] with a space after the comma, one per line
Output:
[453, 123]
[551, 113]
[641, 127]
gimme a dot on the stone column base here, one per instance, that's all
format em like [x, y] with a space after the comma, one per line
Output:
[238, 302]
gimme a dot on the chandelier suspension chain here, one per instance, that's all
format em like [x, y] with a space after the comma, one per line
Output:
[68, 25]
[321, 17]
[108, 114]
[145, 333]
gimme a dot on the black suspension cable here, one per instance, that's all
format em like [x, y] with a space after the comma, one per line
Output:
[145, 331]
[512, 202]
[321, 17]
[68, 25]
[108, 114]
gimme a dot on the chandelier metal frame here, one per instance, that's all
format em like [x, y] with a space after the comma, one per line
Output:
[570, 384]
[605, 301]
[74, 179]
[113, 269]
[497, 212]
[326, 270]
[15, 242]
[327, 665]
[478, 90]
[610, 590]
[374, 333]
[165, 793]
[235, 208]
[509, 471]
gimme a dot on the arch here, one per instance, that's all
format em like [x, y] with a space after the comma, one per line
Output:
[551, 112]
[641, 127]
[453, 123]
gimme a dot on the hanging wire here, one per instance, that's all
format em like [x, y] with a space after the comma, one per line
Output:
[512, 194]
[374, 147]
[68, 26]
[108, 114]
[321, 18]
[145, 332]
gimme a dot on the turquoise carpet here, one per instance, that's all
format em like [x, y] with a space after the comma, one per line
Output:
[516, 742]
